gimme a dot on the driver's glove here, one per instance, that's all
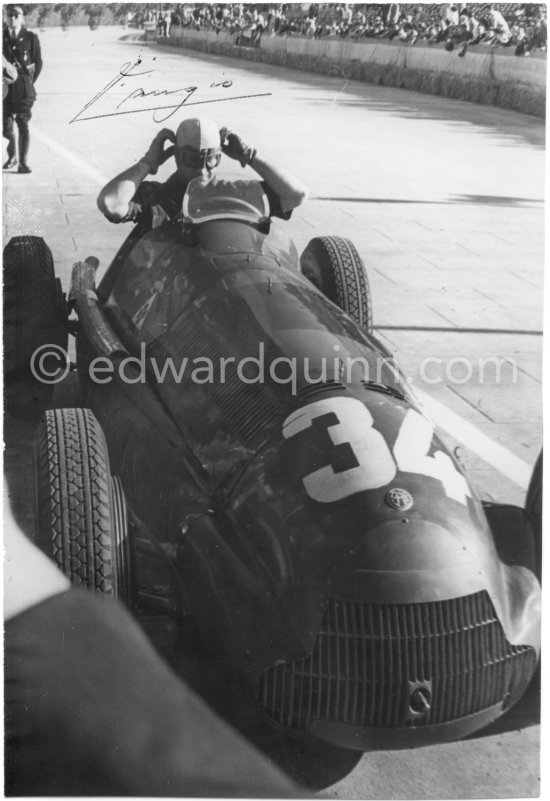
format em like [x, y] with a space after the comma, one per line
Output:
[234, 147]
[157, 154]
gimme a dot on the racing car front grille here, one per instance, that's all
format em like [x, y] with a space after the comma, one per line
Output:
[368, 658]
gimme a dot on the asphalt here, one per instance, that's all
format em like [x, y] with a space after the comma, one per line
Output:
[444, 201]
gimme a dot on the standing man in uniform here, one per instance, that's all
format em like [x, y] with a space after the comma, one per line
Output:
[22, 49]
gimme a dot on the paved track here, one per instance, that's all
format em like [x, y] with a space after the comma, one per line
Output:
[444, 201]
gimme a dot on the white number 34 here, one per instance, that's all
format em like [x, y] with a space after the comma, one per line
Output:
[375, 464]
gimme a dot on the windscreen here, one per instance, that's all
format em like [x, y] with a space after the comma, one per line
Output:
[225, 197]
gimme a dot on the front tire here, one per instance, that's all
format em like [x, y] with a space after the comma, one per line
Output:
[533, 510]
[334, 265]
[80, 515]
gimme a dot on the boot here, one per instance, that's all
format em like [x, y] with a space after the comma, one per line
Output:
[24, 141]
[12, 158]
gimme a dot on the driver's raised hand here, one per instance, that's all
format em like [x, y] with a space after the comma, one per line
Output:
[234, 147]
[158, 153]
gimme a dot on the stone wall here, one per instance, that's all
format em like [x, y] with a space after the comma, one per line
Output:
[486, 75]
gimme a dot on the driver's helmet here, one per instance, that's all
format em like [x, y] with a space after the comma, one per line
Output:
[198, 141]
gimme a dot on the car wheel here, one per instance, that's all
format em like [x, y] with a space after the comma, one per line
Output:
[334, 265]
[34, 316]
[80, 511]
[533, 509]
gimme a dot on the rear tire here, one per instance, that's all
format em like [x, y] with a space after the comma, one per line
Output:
[80, 516]
[34, 316]
[334, 265]
[533, 510]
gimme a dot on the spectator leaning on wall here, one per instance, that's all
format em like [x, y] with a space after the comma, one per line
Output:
[466, 24]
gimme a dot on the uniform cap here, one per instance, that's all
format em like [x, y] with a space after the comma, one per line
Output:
[19, 9]
[200, 133]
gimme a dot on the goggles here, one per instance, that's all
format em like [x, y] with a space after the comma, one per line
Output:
[14, 14]
[199, 159]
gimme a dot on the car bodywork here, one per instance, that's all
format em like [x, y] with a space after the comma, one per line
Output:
[324, 540]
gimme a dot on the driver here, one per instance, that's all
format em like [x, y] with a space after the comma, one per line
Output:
[197, 147]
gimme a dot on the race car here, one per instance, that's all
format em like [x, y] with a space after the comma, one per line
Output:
[250, 461]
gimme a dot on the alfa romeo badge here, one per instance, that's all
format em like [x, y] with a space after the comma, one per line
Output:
[399, 499]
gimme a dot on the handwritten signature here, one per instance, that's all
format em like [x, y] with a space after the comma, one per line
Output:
[127, 71]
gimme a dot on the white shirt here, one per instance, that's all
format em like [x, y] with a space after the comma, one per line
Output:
[29, 576]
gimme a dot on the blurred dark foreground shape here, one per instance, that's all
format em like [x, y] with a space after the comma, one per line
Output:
[91, 709]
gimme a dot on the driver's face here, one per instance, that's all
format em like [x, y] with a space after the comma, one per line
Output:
[193, 163]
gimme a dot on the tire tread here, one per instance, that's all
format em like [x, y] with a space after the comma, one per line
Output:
[345, 277]
[74, 498]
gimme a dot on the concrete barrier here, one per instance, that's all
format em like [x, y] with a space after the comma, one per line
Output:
[486, 75]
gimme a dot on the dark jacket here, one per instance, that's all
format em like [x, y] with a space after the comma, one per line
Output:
[24, 53]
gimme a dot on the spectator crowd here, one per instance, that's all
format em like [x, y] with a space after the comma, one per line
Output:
[521, 27]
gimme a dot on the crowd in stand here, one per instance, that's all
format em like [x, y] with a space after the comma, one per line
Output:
[521, 27]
